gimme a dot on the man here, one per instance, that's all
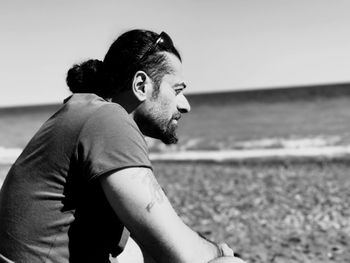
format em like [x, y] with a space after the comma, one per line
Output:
[84, 181]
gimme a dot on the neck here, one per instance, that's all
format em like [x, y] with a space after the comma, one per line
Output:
[127, 100]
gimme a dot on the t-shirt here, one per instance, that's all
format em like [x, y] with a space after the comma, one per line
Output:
[52, 208]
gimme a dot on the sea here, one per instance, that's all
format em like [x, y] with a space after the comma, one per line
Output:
[284, 118]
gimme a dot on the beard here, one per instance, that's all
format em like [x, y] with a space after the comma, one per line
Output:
[158, 127]
[169, 135]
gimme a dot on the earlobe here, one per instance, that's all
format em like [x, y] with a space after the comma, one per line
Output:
[139, 85]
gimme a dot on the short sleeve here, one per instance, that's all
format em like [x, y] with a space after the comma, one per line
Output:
[110, 140]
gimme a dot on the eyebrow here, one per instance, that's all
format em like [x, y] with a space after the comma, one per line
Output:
[182, 84]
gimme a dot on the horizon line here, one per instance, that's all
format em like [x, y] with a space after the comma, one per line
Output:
[260, 89]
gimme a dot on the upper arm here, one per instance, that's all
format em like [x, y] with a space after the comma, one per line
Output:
[142, 206]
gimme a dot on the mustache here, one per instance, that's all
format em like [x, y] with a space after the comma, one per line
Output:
[176, 116]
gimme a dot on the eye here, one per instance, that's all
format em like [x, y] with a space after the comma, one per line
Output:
[178, 91]
[179, 88]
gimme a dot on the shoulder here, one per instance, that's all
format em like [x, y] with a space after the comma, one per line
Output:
[97, 113]
[109, 120]
[113, 117]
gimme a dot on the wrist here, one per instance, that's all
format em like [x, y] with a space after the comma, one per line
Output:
[222, 249]
[220, 252]
[225, 250]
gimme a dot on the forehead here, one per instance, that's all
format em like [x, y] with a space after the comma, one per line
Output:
[176, 68]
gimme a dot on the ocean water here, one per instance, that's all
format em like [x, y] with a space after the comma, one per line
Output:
[289, 118]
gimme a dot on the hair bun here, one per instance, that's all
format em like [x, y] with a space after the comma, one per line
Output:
[86, 77]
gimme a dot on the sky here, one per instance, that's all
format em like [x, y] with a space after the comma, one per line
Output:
[225, 44]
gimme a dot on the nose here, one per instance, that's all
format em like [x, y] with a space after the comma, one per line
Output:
[183, 105]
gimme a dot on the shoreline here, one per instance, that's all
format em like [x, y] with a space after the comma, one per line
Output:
[329, 152]
[8, 156]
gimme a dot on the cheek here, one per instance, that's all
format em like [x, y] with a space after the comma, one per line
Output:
[170, 100]
[167, 102]
[166, 105]
[169, 108]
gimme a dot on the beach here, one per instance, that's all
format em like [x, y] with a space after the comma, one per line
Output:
[282, 211]
[285, 211]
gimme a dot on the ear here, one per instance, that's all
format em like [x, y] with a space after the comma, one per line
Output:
[140, 85]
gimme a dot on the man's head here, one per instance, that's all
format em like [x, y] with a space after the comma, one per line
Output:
[162, 105]
[152, 72]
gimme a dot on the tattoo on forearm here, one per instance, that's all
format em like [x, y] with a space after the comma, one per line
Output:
[157, 195]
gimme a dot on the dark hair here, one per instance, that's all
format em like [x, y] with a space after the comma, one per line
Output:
[121, 62]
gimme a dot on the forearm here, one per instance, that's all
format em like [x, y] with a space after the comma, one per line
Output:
[188, 247]
[145, 210]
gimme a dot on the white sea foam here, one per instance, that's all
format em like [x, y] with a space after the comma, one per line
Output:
[269, 147]
[290, 143]
[226, 155]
